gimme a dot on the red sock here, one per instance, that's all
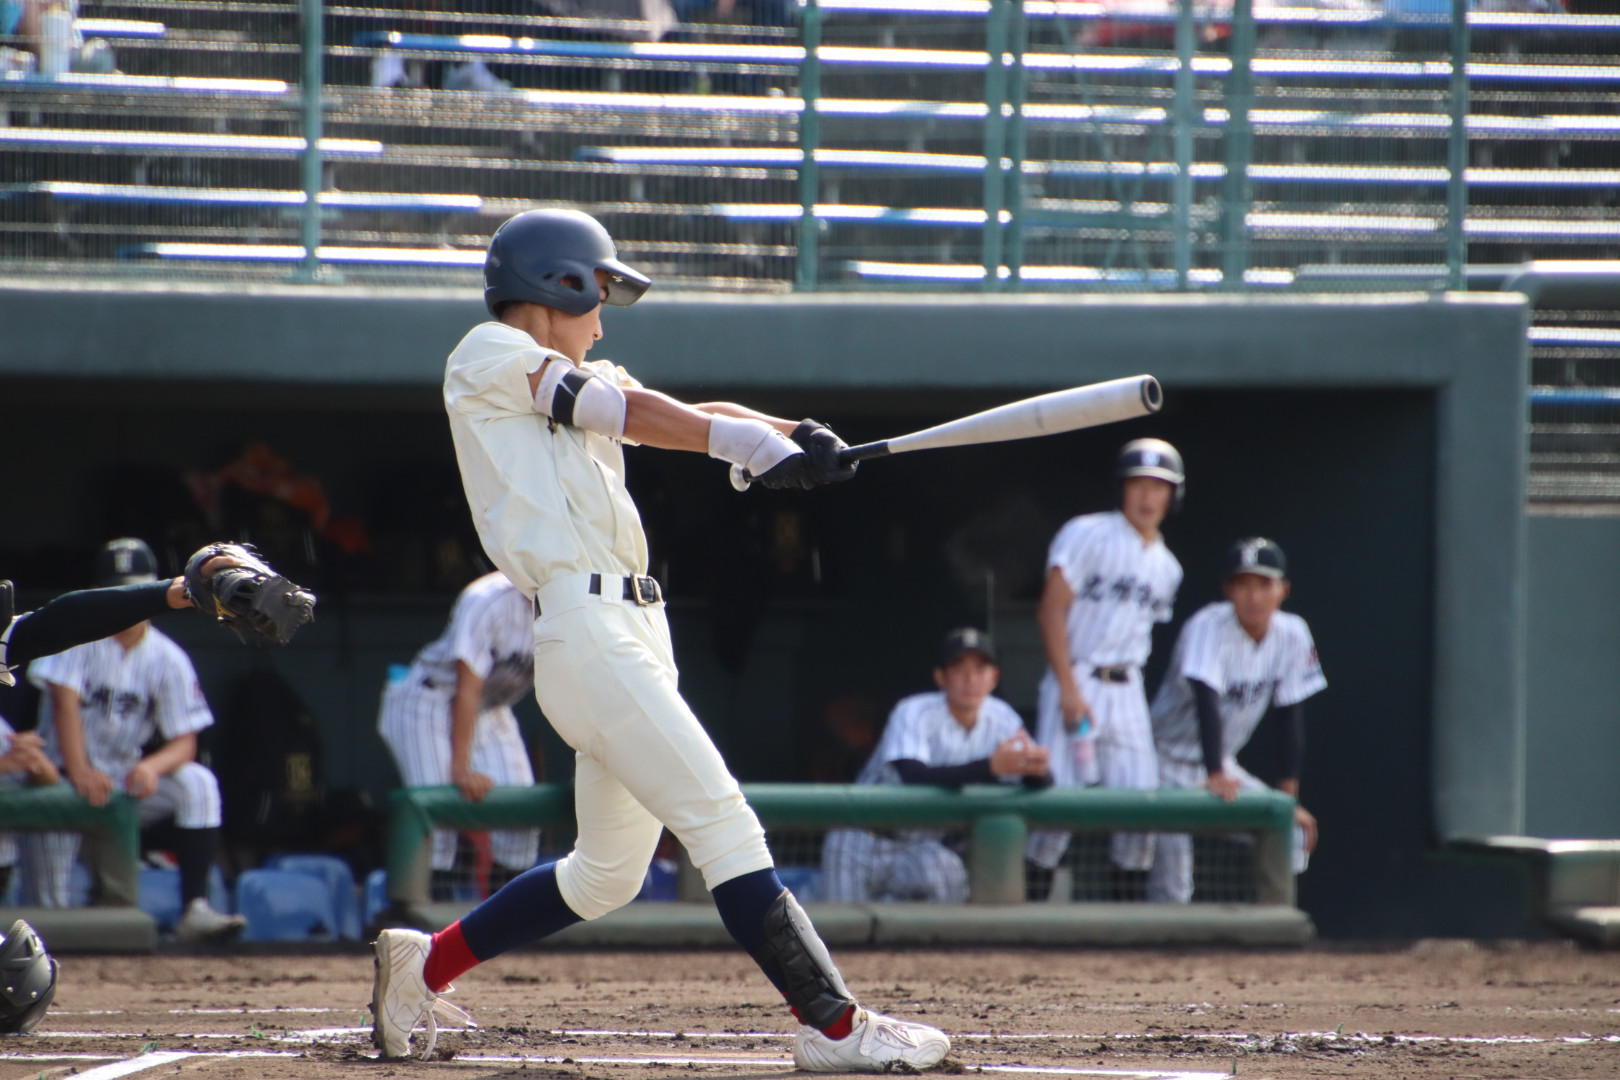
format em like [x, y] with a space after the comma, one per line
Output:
[448, 958]
[839, 1028]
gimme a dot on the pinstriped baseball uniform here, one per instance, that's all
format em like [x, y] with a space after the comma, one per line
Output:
[126, 697]
[551, 510]
[491, 630]
[8, 842]
[857, 865]
[1249, 676]
[1121, 587]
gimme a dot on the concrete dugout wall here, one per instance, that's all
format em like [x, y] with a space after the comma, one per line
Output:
[1379, 439]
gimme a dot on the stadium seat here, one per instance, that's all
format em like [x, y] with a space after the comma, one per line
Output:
[335, 874]
[284, 905]
[804, 882]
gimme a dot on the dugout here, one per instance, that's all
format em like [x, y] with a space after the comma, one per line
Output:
[1379, 439]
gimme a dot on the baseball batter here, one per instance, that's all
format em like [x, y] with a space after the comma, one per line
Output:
[450, 720]
[1109, 579]
[958, 734]
[1234, 661]
[538, 434]
[103, 702]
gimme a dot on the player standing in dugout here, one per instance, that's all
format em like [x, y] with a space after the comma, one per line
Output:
[1109, 579]
[538, 432]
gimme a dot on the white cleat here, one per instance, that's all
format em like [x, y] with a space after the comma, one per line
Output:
[877, 1043]
[202, 923]
[400, 998]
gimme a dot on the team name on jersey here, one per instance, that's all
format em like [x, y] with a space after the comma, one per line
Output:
[1243, 694]
[1124, 589]
[123, 703]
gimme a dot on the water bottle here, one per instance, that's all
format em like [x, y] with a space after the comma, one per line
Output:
[56, 40]
[1083, 745]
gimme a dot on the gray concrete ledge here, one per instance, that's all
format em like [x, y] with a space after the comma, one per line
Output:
[678, 925]
[91, 929]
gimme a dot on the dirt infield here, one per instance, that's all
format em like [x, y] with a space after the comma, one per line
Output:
[1432, 1009]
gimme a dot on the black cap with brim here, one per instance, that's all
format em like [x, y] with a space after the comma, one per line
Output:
[964, 640]
[1258, 556]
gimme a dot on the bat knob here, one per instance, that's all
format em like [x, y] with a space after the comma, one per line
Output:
[740, 478]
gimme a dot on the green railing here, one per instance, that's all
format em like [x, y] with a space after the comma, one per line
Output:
[996, 818]
[115, 828]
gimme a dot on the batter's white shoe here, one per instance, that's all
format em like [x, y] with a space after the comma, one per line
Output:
[400, 999]
[877, 1043]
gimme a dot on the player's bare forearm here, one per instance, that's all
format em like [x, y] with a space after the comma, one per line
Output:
[1052, 617]
[655, 419]
[743, 412]
[69, 728]
[464, 717]
[172, 754]
[1289, 787]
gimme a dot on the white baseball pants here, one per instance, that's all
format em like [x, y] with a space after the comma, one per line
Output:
[415, 723]
[1125, 758]
[1170, 879]
[604, 674]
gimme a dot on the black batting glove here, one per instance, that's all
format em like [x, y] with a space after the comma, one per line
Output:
[822, 447]
[793, 473]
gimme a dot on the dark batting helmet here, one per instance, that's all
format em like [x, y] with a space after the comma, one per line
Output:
[1155, 458]
[125, 561]
[551, 257]
[27, 980]
[1256, 555]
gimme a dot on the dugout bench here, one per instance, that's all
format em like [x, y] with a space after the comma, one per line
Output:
[997, 820]
[113, 843]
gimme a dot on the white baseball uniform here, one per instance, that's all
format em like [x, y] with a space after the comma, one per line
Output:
[126, 697]
[858, 865]
[1249, 676]
[1122, 585]
[8, 842]
[552, 511]
[491, 630]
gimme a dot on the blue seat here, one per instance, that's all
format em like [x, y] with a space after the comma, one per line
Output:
[160, 894]
[333, 873]
[660, 882]
[376, 899]
[285, 905]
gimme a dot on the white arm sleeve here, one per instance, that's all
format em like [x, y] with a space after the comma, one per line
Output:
[580, 398]
[753, 444]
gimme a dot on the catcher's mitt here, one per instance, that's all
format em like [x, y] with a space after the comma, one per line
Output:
[251, 599]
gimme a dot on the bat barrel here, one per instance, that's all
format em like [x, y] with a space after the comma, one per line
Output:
[863, 452]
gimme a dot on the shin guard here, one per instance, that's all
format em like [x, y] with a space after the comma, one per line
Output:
[795, 959]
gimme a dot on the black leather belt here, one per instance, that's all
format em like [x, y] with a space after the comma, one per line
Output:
[1119, 673]
[640, 589]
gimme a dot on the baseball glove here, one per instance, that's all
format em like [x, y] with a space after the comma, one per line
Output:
[249, 597]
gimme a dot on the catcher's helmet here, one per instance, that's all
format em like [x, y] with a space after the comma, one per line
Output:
[1155, 458]
[551, 257]
[126, 561]
[1256, 555]
[27, 980]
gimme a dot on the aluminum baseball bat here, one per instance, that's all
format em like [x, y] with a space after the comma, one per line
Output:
[1045, 414]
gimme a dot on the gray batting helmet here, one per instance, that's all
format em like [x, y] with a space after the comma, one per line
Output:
[551, 257]
[27, 980]
[1155, 458]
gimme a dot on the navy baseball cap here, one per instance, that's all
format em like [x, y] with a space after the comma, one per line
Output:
[1256, 555]
[126, 561]
[964, 640]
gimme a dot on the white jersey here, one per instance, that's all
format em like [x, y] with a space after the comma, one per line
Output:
[1121, 588]
[491, 630]
[1250, 676]
[921, 728]
[125, 697]
[544, 507]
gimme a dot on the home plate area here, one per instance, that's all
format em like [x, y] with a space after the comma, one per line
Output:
[1508, 1011]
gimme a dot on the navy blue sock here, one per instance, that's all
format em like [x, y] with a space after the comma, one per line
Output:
[528, 908]
[743, 902]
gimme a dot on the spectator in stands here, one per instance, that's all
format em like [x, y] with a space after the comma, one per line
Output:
[957, 734]
[22, 761]
[103, 703]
